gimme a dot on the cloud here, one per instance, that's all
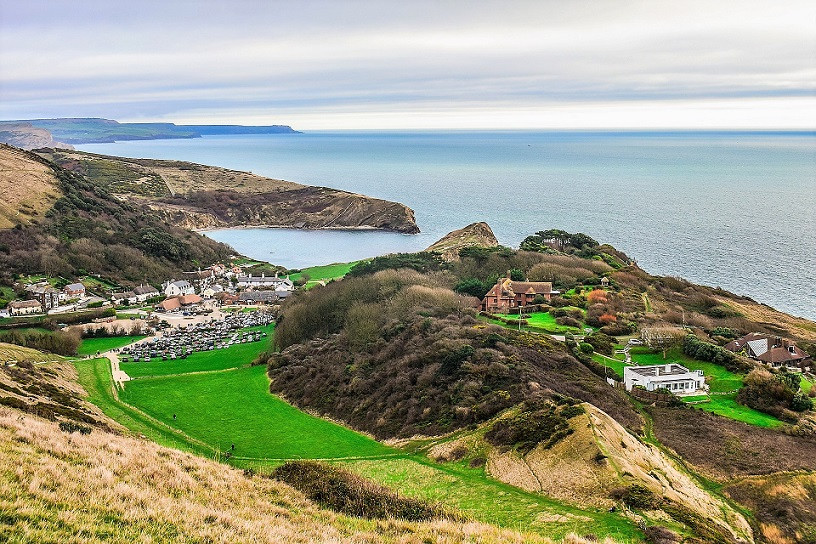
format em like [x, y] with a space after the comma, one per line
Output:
[360, 60]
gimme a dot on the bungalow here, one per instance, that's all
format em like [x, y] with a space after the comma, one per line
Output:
[262, 297]
[772, 350]
[212, 290]
[181, 302]
[144, 292]
[507, 294]
[25, 307]
[676, 378]
[177, 288]
[74, 290]
[124, 297]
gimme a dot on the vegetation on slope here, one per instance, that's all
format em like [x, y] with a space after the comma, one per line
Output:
[87, 230]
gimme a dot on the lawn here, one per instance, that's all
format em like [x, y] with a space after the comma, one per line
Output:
[614, 364]
[323, 273]
[218, 359]
[537, 322]
[468, 490]
[90, 346]
[235, 407]
[95, 377]
[805, 384]
[727, 405]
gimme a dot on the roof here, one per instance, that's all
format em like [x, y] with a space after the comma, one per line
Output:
[145, 290]
[123, 295]
[170, 304]
[658, 371]
[261, 296]
[25, 304]
[186, 300]
[783, 354]
[768, 348]
[182, 284]
[74, 287]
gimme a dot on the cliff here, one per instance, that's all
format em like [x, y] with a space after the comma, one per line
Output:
[198, 196]
[26, 136]
[474, 235]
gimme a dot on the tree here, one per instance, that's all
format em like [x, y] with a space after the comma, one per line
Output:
[517, 275]
[663, 338]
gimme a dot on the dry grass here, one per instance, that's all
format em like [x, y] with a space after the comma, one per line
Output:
[12, 352]
[796, 326]
[56, 487]
[29, 188]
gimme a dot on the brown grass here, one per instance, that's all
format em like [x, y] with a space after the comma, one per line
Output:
[56, 487]
[29, 188]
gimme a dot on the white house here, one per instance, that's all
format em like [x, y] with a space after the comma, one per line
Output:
[212, 290]
[672, 376]
[25, 307]
[177, 288]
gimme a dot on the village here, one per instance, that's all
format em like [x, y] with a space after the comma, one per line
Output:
[196, 292]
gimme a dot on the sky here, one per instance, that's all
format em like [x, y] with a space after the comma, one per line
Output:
[414, 65]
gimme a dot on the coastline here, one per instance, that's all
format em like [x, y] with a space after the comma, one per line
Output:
[363, 228]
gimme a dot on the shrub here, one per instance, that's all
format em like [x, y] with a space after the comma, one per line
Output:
[597, 296]
[601, 342]
[704, 351]
[656, 534]
[635, 496]
[801, 402]
[344, 492]
[568, 322]
[586, 347]
[528, 429]
[71, 427]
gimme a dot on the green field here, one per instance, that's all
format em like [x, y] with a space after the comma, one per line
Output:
[718, 378]
[468, 490]
[727, 405]
[235, 407]
[201, 361]
[326, 272]
[90, 346]
[541, 322]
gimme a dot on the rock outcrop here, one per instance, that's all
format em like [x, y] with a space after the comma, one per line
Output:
[474, 235]
[27, 136]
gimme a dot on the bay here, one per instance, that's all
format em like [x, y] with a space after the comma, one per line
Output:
[729, 209]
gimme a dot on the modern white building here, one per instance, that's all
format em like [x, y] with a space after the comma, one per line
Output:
[672, 376]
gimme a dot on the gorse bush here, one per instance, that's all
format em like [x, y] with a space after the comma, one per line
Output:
[339, 490]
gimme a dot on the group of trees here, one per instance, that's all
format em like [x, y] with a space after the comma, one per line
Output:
[560, 240]
[777, 394]
[61, 343]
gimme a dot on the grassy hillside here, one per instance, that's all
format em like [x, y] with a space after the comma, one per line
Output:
[197, 196]
[88, 230]
[29, 188]
[61, 487]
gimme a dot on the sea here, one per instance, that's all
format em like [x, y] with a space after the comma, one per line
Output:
[730, 209]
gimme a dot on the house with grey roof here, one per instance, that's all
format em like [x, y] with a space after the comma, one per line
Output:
[772, 350]
[177, 288]
[671, 376]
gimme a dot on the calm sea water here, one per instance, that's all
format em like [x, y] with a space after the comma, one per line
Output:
[736, 210]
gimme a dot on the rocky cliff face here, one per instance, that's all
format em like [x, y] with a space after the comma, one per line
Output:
[474, 235]
[27, 136]
[198, 197]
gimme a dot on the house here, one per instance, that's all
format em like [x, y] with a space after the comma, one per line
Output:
[672, 376]
[263, 281]
[74, 290]
[47, 296]
[212, 290]
[144, 292]
[177, 288]
[772, 350]
[604, 282]
[182, 302]
[262, 297]
[25, 307]
[124, 297]
[507, 294]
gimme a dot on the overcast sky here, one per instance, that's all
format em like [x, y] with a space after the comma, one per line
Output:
[410, 64]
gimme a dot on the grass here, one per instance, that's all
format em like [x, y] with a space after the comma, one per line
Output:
[90, 346]
[202, 361]
[235, 407]
[727, 406]
[805, 384]
[323, 273]
[95, 377]
[536, 322]
[718, 378]
[12, 352]
[468, 490]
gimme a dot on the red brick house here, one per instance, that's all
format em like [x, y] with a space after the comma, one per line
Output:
[772, 350]
[507, 294]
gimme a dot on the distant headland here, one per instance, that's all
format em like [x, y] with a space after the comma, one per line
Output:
[34, 133]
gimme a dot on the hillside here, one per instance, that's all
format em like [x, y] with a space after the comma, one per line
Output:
[29, 188]
[100, 487]
[80, 228]
[196, 196]
[474, 235]
[24, 135]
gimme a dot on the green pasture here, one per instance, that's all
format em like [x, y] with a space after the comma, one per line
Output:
[90, 346]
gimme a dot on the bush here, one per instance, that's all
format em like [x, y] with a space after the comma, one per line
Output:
[339, 490]
[586, 347]
[801, 402]
[660, 535]
[601, 342]
[528, 429]
[71, 427]
[568, 322]
[704, 351]
[635, 496]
